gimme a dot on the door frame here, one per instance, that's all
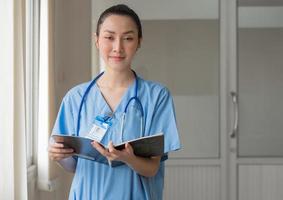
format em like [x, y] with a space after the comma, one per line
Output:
[228, 83]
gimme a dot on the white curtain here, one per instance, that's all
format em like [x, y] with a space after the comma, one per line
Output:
[47, 171]
[13, 168]
[50, 176]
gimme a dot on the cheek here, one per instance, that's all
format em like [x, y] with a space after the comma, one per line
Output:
[132, 49]
[104, 49]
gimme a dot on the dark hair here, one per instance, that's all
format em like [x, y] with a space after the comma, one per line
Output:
[120, 9]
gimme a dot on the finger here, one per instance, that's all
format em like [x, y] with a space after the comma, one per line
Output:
[61, 150]
[157, 158]
[59, 145]
[129, 147]
[100, 148]
[112, 148]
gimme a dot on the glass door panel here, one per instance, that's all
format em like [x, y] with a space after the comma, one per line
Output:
[184, 55]
[260, 76]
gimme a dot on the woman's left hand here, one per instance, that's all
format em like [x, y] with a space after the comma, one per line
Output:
[147, 167]
[113, 154]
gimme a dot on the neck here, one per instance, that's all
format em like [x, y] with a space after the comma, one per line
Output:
[115, 79]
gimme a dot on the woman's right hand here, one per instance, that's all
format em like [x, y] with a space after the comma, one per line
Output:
[57, 151]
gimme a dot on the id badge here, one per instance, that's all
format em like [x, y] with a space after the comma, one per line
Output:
[99, 128]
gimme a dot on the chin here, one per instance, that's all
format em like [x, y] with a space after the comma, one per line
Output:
[118, 65]
[118, 68]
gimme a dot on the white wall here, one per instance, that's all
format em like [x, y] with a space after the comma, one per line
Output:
[72, 44]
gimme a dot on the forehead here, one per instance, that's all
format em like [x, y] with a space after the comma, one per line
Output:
[118, 24]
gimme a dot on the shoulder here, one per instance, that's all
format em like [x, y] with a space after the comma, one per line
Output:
[154, 87]
[76, 92]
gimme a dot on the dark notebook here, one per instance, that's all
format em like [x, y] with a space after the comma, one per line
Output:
[145, 147]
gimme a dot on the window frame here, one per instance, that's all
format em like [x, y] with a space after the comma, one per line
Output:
[31, 77]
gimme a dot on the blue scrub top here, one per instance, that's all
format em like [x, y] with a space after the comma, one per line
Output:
[98, 181]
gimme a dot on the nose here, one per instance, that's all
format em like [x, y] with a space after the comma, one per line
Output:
[118, 46]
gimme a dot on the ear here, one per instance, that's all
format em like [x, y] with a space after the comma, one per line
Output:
[96, 41]
[139, 44]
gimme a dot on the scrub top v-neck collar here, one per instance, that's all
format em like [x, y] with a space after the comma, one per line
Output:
[123, 101]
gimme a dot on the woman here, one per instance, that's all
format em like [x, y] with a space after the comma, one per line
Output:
[118, 37]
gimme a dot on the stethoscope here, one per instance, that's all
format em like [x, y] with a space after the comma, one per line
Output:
[135, 97]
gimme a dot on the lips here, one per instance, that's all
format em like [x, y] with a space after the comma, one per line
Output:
[117, 58]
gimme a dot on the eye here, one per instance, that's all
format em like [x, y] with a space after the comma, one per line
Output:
[108, 37]
[128, 38]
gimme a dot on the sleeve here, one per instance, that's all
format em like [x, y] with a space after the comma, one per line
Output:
[65, 123]
[164, 120]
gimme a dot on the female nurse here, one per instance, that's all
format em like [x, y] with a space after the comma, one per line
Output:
[130, 106]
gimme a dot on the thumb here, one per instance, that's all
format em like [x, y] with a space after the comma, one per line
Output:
[129, 147]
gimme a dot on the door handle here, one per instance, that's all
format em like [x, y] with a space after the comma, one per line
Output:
[236, 114]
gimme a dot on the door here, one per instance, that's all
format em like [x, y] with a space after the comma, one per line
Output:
[256, 139]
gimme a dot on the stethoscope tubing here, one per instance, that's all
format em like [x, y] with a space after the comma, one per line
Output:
[134, 98]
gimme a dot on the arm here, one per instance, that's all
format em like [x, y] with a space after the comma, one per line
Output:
[69, 164]
[147, 167]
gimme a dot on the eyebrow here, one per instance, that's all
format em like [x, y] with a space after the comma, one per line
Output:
[127, 32]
